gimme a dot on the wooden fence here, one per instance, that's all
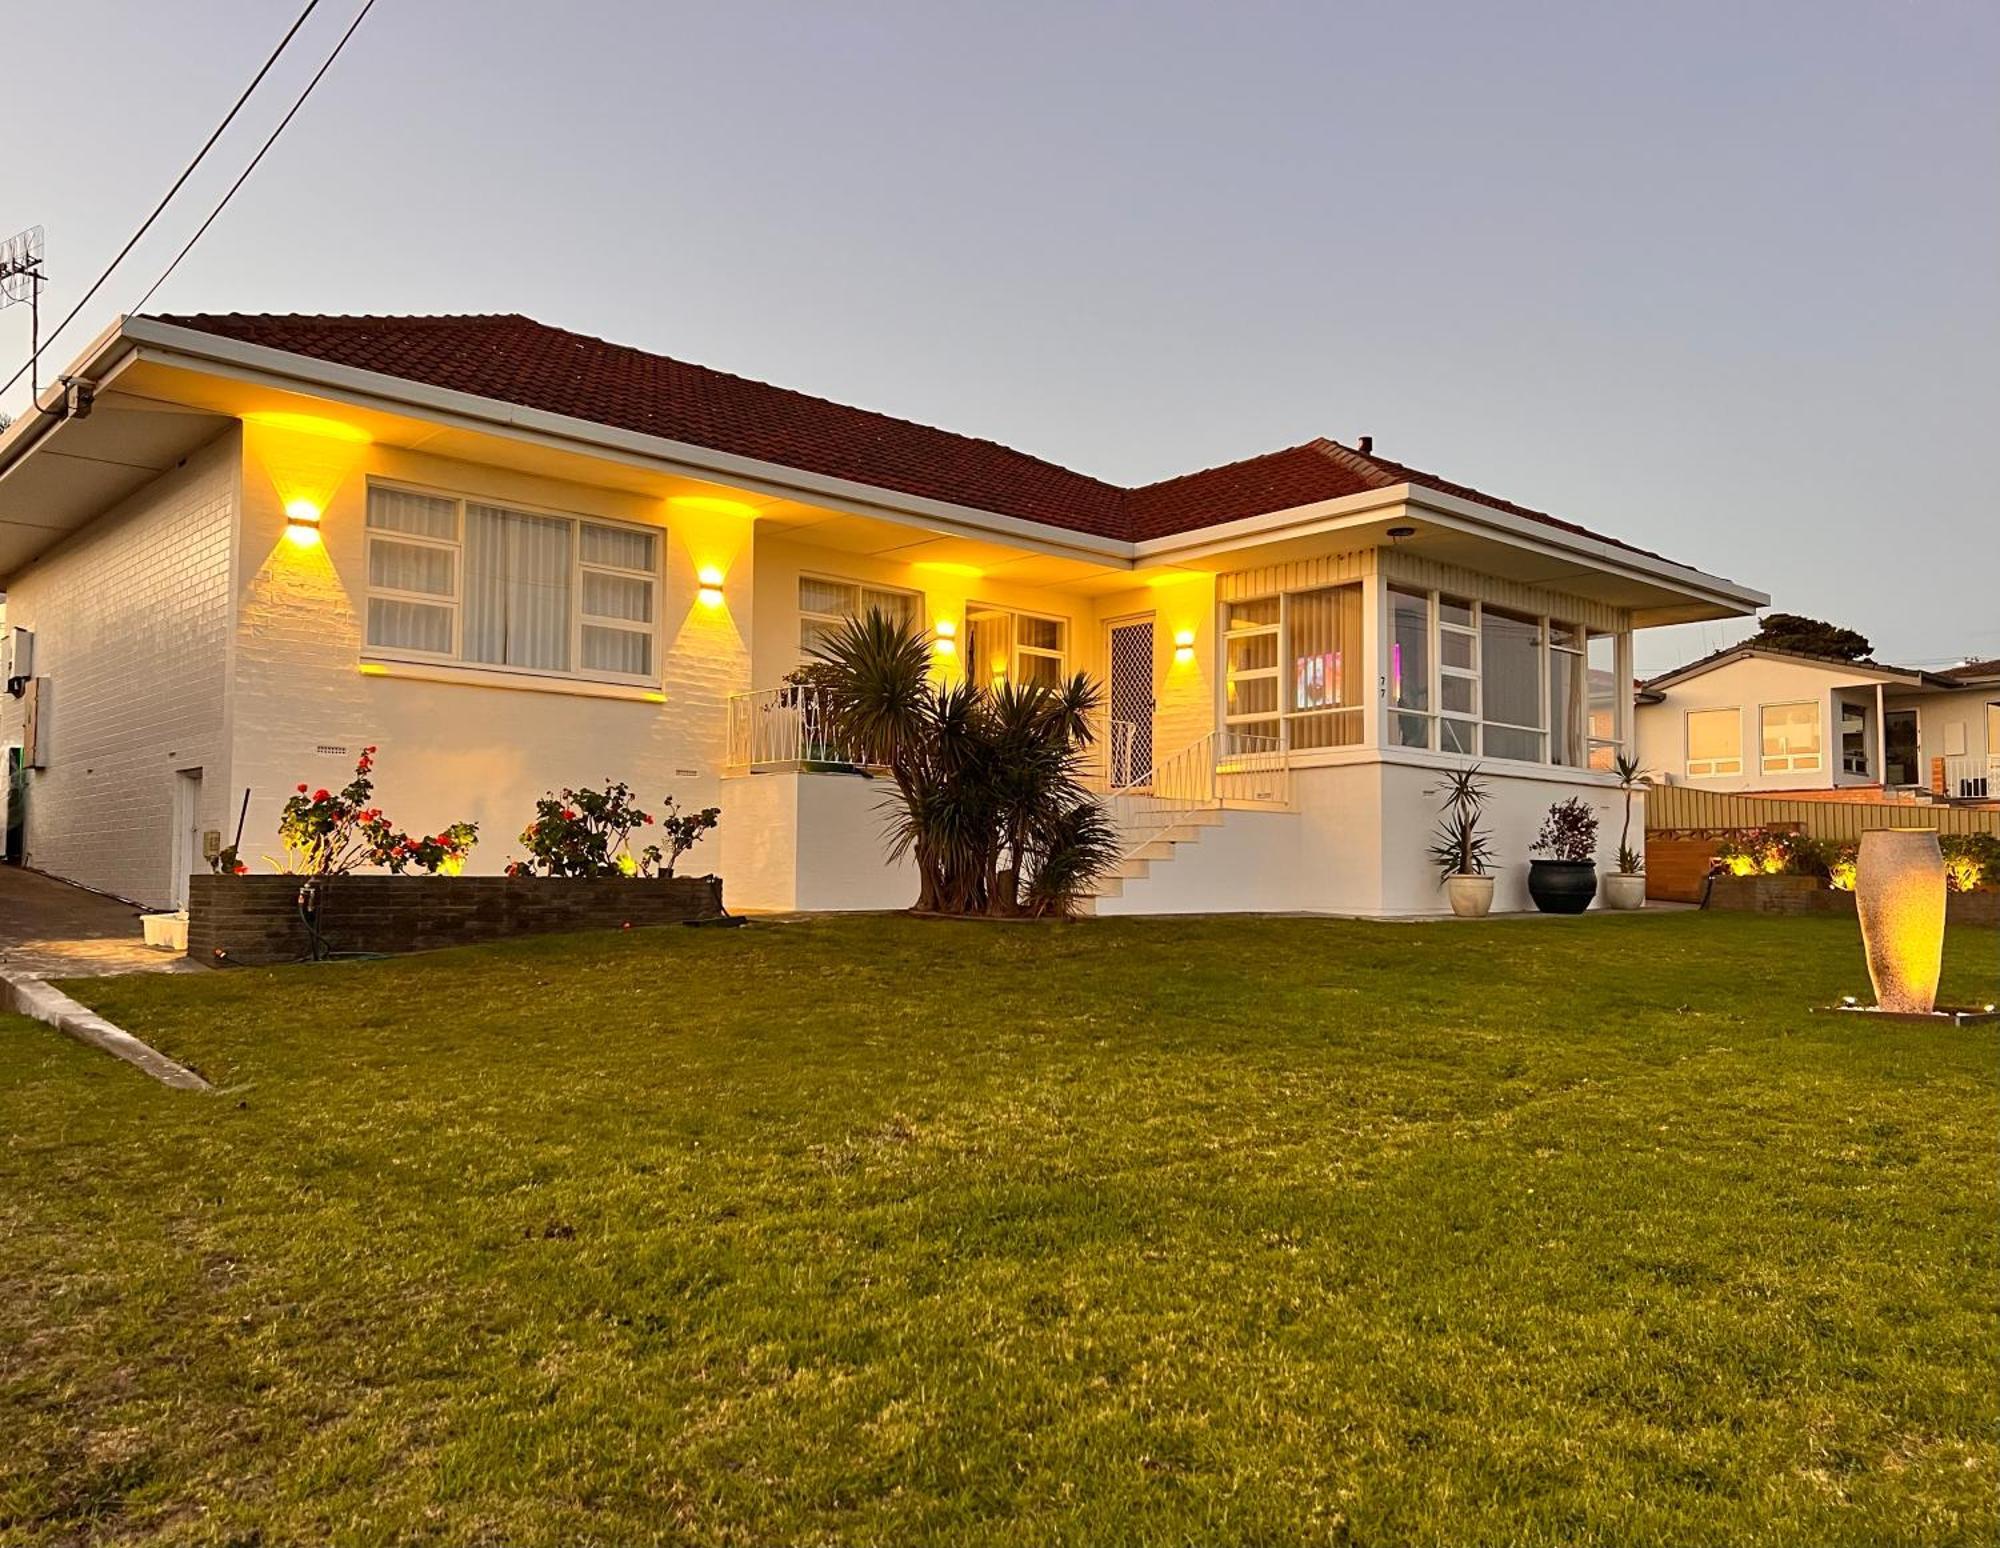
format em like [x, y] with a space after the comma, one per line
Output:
[1684, 809]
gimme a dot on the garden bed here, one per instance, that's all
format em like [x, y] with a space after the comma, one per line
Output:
[1809, 895]
[255, 919]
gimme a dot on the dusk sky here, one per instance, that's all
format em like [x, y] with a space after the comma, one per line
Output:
[1719, 280]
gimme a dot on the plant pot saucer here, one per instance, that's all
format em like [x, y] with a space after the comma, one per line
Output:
[1944, 1015]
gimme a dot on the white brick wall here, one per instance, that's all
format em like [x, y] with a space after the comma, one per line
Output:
[460, 751]
[130, 619]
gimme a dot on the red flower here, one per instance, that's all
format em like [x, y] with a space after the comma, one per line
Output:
[240, 868]
[302, 790]
[319, 795]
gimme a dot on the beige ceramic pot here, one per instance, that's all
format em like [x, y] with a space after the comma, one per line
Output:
[1623, 890]
[1471, 896]
[1899, 893]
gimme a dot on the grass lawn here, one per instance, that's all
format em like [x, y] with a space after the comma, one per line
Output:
[886, 1230]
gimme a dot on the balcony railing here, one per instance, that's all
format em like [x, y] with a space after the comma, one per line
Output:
[786, 728]
[1972, 776]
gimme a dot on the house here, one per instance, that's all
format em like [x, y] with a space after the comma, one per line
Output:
[240, 548]
[1750, 718]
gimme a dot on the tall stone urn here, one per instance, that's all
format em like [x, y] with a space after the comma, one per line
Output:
[1899, 893]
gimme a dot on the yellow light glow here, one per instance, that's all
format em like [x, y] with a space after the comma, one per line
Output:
[1183, 646]
[946, 629]
[945, 647]
[309, 424]
[301, 534]
[710, 594]
[949, 567]
[714, 505]
[372, 669]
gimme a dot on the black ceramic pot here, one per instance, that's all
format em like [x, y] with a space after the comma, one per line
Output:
[1562, 886]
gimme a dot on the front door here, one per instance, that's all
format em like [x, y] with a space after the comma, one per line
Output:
[1899, 748]
[1129, 745]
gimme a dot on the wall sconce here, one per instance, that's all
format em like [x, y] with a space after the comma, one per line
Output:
[710, 593]
[1183, 646]
[302, 522]
[946, 641]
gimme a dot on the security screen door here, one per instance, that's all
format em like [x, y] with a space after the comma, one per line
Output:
[1130, 744]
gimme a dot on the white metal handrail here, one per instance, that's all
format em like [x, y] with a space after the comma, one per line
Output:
[786, 727]
[1213, 770]
[1972, 776]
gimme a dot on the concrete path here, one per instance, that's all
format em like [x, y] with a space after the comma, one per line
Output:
[49, 929]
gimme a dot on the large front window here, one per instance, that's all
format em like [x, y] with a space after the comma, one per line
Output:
[1791, 738]
[1292, 670]
[827, 603]
[1714, 743]
[461, 580]
[1008, 647]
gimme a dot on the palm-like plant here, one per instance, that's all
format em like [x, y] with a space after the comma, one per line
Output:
[1460, 847]
[1631, 776]
[990, 801]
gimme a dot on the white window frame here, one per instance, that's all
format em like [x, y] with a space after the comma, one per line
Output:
[1016, 651]
[1275, 672]
[1711, 768]
[456, 547]
[861, 590]
[1790, 762]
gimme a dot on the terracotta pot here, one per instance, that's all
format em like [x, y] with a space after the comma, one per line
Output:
[1471, 896]
[1899, 893]
[1625, 890]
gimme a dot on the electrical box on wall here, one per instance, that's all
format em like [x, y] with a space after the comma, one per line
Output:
[20, 663]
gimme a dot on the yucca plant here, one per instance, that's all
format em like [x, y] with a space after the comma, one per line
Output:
[990, 801]
[1631, 777]
[1460, 847]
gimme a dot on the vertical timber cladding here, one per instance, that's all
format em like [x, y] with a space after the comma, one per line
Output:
[1402, 568]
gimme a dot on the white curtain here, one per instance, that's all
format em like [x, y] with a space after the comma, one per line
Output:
[517, 589]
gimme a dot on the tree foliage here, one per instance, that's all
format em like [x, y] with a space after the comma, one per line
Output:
[1811, 636]
[990, 800]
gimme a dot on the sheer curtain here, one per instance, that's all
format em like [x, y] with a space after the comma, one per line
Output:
[517, 584]
[1324, 630]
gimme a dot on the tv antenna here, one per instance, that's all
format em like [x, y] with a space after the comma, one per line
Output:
[21, 279]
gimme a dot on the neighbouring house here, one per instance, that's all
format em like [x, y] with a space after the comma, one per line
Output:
[236, 549]
[1751, 718]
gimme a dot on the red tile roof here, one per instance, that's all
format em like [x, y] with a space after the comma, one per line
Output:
[515, 359]
[1971, 671]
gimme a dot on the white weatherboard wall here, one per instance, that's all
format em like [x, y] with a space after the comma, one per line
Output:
[483, 746]
[130, 618]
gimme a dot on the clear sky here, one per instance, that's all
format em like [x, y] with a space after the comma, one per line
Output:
[1720, 279]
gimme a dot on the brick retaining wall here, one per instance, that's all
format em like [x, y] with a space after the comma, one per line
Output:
[1808, 895]
[254, 919]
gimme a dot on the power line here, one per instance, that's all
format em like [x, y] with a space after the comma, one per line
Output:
[188, 172]
[359, 17]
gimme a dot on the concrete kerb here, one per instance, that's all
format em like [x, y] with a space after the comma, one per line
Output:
[45, 1002]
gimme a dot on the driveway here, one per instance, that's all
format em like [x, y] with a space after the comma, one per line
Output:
[49, 929]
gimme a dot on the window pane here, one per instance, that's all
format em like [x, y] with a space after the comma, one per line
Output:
[1251, 696]
[1511, 742]
[1046, 670]
[1715, 735]
[617, 596]
[896, 606]
[619, 547]
[1603, 695]
[1791, 737]
[395, 566]
[1325, 631]
[394, 510]
[394, 625]
[1253, 652]
[617, 650]
[1455, 736]
[989, 647]
[1566, 708]
[815, 634]
[1040, 633]
[1409, 653]
[1458, 650]
[838, 598]
[1326, 728]
[1410, 730]
[1452, 611]
[1460, 695]
[517, 585]
[1511, 671]
[1244, 615]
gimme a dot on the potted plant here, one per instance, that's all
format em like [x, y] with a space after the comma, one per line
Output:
[1625, 888]
[1562, 879]
[1461, 849]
